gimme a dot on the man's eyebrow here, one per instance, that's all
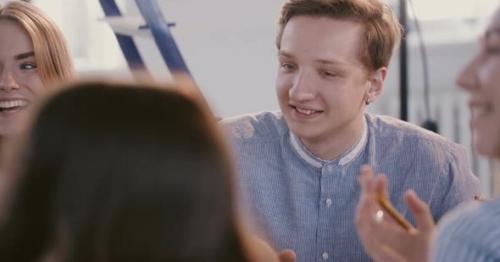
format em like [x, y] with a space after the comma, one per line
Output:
[319, 60]
[329, 62]
[285, 54]
[24, 55]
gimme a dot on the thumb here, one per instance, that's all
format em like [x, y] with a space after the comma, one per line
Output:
[287, 255]
[420, 211]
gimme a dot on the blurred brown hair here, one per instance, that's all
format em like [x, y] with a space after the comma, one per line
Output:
[123, 172]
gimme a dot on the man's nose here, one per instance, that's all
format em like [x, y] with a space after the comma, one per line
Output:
[302, 88]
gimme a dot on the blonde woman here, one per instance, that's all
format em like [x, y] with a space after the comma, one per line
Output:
[33, 56]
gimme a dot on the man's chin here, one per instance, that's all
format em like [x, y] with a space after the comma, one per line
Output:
[303, 131]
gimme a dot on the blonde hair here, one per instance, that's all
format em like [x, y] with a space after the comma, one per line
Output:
[51, 52]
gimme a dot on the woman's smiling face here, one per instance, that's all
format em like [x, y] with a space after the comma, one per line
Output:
[20, 82]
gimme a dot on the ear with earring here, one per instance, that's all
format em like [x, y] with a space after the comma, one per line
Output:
[368, 99]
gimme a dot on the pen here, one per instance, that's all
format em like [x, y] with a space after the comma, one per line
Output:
[387, 206]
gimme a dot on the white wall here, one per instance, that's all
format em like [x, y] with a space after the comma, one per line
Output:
[229, 47]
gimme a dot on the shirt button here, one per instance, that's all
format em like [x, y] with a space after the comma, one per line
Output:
[329, 169]
[328, 202]
[324, 256]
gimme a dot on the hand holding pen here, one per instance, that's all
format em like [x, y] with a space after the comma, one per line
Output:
[384, 233]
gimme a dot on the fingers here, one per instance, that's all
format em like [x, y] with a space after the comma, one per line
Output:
[368, 230]
[260, 250]
[420, 210]
[365, 179]
[388, 254]
[287, 255]
[386, 240]
[371, 185]
[366, 204]
[381, 186]
[371, 188]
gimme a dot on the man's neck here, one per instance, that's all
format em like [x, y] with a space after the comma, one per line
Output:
[331, 147]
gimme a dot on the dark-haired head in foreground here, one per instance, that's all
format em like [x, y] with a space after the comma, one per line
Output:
[117, 172]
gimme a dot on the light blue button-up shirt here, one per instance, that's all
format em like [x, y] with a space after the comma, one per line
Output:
[469, 233]
[298, 201]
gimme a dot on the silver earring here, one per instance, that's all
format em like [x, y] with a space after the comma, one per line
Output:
[367, 101]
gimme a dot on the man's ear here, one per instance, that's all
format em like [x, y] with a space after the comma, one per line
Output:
[376, 84]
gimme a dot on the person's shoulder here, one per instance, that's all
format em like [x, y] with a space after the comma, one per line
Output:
[263, 125]
[472, 222]
[474, 213]
[410, 134]
[466, 210]
[391, 126]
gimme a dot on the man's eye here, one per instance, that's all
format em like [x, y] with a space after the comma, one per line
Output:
[287, 66]
[28, 66]
[328, 74]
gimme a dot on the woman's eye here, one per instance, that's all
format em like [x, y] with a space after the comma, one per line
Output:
[493, 51]
[28, 66]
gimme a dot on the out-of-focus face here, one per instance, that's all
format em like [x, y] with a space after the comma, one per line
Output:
[322, 84]
[481, 80]
[19, 79]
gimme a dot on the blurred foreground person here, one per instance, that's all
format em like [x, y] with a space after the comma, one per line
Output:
[471, 232]
[119, 172]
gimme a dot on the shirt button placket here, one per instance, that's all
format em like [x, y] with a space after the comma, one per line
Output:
[327, 170]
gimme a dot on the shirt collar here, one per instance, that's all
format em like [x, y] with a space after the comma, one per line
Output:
[317, 162]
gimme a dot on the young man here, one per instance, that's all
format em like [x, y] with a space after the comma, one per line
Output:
[298, 168]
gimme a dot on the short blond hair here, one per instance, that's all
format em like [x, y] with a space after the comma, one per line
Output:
[382, 31]
[49, 46]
